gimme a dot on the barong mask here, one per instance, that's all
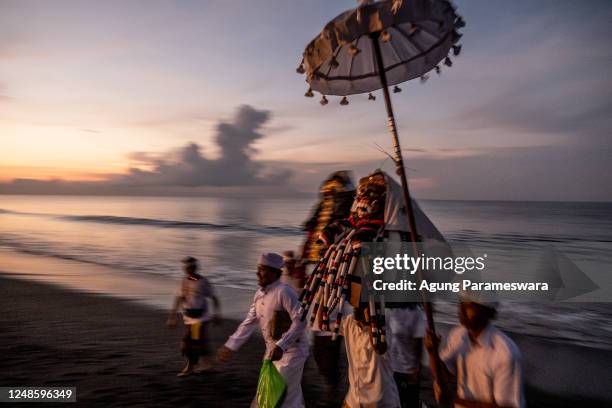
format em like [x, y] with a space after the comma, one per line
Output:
[335, 280]
[377, 214]
[370, 201]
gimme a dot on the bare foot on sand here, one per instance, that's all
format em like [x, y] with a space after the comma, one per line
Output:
[203, 365]
[188, 370]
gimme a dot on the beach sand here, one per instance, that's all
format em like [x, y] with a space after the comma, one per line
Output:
[119, 353]
[116, 352]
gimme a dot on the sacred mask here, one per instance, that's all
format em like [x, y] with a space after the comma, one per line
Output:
[370, 200]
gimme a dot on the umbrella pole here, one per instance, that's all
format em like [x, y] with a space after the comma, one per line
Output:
[399, 164]
[401, 171]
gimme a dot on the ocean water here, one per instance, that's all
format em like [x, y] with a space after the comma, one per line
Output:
[149, 235]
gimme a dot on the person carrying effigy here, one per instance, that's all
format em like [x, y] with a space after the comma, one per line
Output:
[378, 214]
[336, 198]
[337, 193]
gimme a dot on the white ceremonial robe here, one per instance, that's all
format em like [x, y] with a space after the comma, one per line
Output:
[278, 296]
[371, 382]
[405, 327]
[487, 370]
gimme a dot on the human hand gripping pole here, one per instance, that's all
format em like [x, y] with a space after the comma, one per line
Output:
[438, 369]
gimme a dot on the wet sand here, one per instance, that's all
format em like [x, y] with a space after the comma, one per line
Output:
[119, 353]
[116, 352]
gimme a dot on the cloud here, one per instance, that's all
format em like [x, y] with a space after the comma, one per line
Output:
[542, 173]
[234, 167]
[443, 154]
[546, 173]
[185, 168]
[577, 109]
[545, 76]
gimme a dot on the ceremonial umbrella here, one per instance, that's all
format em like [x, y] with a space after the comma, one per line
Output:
[381, 44]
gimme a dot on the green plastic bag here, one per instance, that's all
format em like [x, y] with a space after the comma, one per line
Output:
[271, 388]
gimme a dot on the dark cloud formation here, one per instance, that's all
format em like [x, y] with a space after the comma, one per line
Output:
[235, 165]
[542, 173]
[538, 173]
[547, 75]
[185, 171]
[581, 111]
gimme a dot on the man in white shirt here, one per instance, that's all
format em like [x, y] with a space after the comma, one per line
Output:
[485, 361]
[406, 328]
[275, 305]
[191, 301]
[370, 373]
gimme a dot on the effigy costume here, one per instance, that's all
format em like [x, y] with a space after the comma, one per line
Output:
[378, 214]
[337, 193]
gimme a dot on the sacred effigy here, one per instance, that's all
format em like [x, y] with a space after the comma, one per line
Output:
[378, 213]
[337, 193]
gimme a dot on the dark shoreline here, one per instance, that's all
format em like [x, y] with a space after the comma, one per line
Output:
[119, 353]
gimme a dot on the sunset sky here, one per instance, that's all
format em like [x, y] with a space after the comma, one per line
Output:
[90, 89]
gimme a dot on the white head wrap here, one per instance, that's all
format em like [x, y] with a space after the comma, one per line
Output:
[272, 260]
[477, 297]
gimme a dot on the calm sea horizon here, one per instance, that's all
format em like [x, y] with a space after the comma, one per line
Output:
[147, 236]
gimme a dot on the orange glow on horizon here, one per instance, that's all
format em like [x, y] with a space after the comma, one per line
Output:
[10, 173]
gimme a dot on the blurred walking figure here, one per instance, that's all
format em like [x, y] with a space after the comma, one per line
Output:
[336, 197]
[406, 328]
[336, 194]
[326, 353]
[485, 361]
[276, 308]
[192, 302]
[294, 273]
[370, 372]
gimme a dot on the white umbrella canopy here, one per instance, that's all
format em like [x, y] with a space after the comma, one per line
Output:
[414, 36]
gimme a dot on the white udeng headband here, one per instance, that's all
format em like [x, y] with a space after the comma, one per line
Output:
[272, 260]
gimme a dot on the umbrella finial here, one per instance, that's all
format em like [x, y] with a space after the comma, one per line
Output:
[456, 36]
[353, 50]
[397, 89]
[438, 69]
[459, 22]
[344, 101]
[323, 101]
[309, 93]
[300, 69]
[448, 62]
[457, 49]
[371, 97]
